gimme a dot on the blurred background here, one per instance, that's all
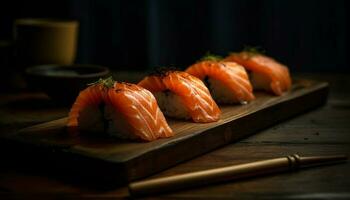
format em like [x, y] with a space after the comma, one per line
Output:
[139, 35]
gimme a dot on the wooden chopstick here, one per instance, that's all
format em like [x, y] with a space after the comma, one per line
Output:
[177, 182]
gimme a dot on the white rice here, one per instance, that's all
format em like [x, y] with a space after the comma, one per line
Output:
[260, 81]
[117, 125]
[90, 120]
[221, 93]
[113, 123]
[171, 105]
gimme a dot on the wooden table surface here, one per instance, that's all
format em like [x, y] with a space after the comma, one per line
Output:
[323, 131]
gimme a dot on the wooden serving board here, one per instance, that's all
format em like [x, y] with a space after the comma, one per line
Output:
[122, 161]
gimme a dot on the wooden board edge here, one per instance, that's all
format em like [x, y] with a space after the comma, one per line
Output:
[140, 167]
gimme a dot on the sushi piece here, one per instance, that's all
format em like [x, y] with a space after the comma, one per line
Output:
[133, 112]
[266, 73]
[121, 110]
[228, 82]
[181, 95]
[86, 112]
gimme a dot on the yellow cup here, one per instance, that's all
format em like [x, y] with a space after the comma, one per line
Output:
[45, 41]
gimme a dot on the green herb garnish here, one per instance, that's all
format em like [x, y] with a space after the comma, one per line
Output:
[253, 50]
[210, 57]
[250, 51]
[107, 82]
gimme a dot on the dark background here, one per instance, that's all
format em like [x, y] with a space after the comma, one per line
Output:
[307, 35]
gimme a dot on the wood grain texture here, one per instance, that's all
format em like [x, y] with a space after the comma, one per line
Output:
[122, 161]
[324, 130]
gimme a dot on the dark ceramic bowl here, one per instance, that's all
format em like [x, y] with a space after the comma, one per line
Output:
[63, 83]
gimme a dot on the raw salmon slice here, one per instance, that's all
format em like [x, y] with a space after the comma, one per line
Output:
[182, 95]
[135, 110]
[88, 99]
[228, 82]
[122, 110]
[267, 73]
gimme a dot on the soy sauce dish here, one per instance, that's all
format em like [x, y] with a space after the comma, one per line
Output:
[62, 83]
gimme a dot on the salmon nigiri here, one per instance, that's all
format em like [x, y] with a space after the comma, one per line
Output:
[122, 110]
[90, 100]
[266, 73]
[133, 109]
[182, 95]
[228, 82]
